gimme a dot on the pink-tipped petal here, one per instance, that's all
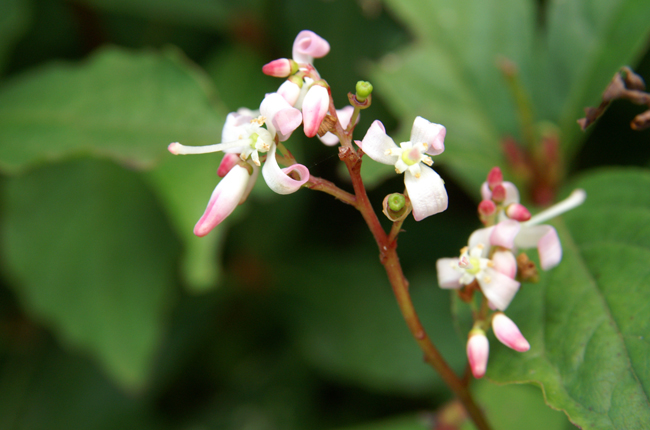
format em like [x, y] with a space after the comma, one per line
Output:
[344, 115]
[227, 163]
[290, 91]
[225, 198]
[430, 133]
[314, 109]
[281, 117]
[508, 333]
[518, 212]
[376, 143]
[505, 262]
[486, 193]
[478, 351]
[308, 45]
[499, 193]
[427, 193]
[280, 68]
[232, 128]
[448, 277]
[278, 179]
[545, 238]
[504, 234]
[498, 288]
[482, 236]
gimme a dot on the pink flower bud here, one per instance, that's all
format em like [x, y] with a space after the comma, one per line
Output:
[508, 333]
[518, 212]
[314, 109]
[227, 163]
[308, 45]
[478, 350]
[495, 177]
[280, 68]
[486, 208]
[498, 193]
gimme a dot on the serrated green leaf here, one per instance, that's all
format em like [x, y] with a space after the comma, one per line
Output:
[450, 74]
[120, 104]
[92, 258]
[587, 318]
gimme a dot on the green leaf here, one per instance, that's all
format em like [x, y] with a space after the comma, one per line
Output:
[92, 258]
[450, 74]
[412, 422]
[587, 320]
[14, 20]
[349, 325]
[125, 105]
[588, 42]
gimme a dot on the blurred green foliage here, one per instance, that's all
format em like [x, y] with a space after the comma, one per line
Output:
[114, 315]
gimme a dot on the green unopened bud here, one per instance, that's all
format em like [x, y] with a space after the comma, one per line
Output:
[364, 89]
[396, 207]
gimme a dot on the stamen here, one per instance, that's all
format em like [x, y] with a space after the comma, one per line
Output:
[576, 198]
[260, 120]
[178, 149]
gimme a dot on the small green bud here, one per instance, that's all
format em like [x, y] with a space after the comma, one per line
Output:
[364, 89]
[396, 202]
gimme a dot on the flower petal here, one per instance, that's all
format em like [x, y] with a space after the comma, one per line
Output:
[512, 193]
[505, 262]
[504, 233]
[448, 277]
[290, 91]
[508, 333]
[281, 117]
[225, 198]
[482, 236]
[376, 143]
[277, 178]
[308, 45]
[427, 193]
[430, 133]
[314, 109]
[498, 288]
[227, 163]
[545, 238]
[232, 128]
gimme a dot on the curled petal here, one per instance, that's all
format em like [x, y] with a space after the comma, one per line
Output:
[427, 193]
[308, 45]
[225, 198]
[430, 133]
[314, 109]
[281, 117]
[498, 288]
[504, 233]
[478, 351]
[512, 193]
[376, 143]
[278, 179]
[545, 238]
[505, 262]
[508, 333]
[448, 277]
[227, 163]
[344, 115]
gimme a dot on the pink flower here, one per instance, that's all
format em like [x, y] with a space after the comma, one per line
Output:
[344, 115]
[314, 108]
[307, 46]
[425, 188]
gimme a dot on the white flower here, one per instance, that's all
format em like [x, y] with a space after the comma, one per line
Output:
[425, 188]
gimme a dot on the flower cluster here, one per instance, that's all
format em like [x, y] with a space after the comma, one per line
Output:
[488, 264]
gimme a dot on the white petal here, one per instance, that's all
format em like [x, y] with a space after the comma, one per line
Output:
[512, 193]
[376, 142]
[498, 288]
[505, 262]
[504, 233]
[427, 193]
[277, 178]
[344, 115]
[288, 118]
[314, 109]
[232, 129]
[482, 236]
[430, 133]
[545, 238]
[448, 277]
